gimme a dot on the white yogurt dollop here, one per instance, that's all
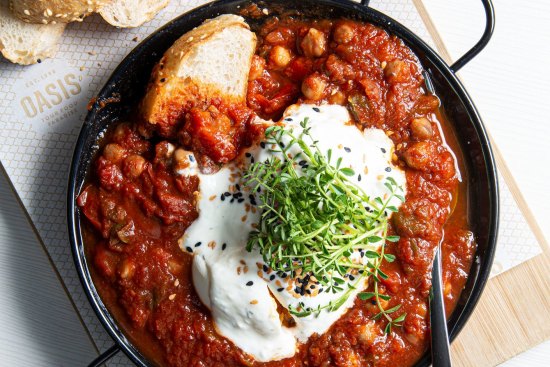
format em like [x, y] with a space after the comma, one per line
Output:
[235, 284]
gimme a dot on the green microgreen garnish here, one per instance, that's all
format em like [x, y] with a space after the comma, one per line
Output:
[314, 218]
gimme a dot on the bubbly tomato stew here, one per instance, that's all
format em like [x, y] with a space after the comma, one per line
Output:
[136, 208]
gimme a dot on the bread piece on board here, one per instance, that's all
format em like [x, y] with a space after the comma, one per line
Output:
[54, 11]
[25, 43]
[211, 61]
[131, 13]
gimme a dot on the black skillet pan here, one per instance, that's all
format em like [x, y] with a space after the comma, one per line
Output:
[129, 80]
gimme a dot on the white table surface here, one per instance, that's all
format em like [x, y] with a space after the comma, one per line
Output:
[39, 324]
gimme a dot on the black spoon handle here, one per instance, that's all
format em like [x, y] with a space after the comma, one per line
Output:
[441, 356]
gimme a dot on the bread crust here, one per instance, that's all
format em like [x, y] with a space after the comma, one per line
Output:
[54, 11]
[134, 19]
[25, 43]
[40, 23]
[169, 94]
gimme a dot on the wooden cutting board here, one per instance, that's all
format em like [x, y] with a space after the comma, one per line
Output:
[513, 314]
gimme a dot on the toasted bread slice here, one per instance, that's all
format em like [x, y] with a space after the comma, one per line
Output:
[54, 11]
[211, 61]
[25, 43]
[131, 13]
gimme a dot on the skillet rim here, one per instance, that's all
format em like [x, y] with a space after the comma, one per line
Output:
[205, 11]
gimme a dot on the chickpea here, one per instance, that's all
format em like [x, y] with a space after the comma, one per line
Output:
[120, 131]
[426, 104]
[422, 128]
[313, 87]
[314, 43]
[114, 152]
[343, 33]
[397, 71]
[134, 165]
[280, 56]
[419, 155]
[256, 68]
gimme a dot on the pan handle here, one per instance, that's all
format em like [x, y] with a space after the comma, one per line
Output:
[105, 356]
[480, 45]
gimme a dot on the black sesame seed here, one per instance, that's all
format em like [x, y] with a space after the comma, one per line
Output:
[272, 277]
[320, 290]
[189, 249]
[259, 189]
[232, 200]
[280, 289]
[361, 271]
[359, 177]
[348, 150]
[248, 155]
[162, 80]
[288, 119]
[227, 193]
[281, 144]
[265, 268]
[191, 158]
[283, 275]
[297, 290]
[308, 291]
[240, 200]
[387, 169]
[198, 244]
[302, 163]
[224, 246]
[222, 197]
[39, 61]
[252, 160]
[249, 283]
[351, 277]
[383, 150]
[238, 187]
[316, 109]
[262, 144]
[312, 286]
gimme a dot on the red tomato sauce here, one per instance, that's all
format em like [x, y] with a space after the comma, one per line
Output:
[137, 208]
